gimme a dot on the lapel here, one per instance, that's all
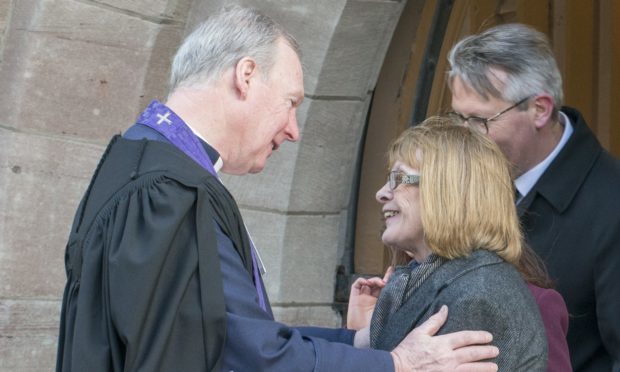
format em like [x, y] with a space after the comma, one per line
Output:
[525, 203]
[422, 303]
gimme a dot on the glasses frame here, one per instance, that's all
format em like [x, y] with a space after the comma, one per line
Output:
[396, 178]
[477, 120]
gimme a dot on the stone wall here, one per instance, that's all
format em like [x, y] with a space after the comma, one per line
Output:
[75, 72]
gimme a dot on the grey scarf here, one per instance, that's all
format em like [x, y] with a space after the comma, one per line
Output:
[401, 285]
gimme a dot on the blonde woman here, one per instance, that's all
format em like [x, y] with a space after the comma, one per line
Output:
[451, 222]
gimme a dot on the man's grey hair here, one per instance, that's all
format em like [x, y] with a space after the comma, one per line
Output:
[223, 40]
[523, 53]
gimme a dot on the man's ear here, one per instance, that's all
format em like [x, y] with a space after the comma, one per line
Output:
[543, 110]
[245, 70]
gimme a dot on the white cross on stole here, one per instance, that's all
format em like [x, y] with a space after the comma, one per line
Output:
[164, 118]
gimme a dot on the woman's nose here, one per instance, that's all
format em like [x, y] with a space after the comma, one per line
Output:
[384, 194]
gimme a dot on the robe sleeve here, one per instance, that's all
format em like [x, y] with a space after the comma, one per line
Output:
[255, 342]
[155, 284]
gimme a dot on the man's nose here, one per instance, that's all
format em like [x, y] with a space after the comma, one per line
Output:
[292, 129]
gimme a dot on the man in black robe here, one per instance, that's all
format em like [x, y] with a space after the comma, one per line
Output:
[161, 274]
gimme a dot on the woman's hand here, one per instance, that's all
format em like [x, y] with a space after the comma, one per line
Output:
[363, 298]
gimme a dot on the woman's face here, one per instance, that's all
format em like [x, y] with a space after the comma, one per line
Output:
[401, 213]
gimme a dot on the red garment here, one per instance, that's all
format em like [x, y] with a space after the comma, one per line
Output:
[555, 317]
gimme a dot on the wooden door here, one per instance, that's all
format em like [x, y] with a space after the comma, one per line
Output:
[412, 84]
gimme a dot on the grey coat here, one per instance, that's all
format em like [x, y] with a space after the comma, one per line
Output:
[482, 292]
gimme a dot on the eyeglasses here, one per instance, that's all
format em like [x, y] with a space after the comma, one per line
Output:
[395, 178]
[482, 124]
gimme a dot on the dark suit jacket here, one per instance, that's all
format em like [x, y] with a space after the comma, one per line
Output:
[482, 293]
[572, 220]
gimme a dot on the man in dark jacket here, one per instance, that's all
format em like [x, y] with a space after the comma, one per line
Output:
[161, 274]
[505, 82]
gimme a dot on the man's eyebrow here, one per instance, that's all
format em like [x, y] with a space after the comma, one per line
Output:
[469, 115]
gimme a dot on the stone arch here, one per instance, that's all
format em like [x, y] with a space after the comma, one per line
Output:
[75, 72]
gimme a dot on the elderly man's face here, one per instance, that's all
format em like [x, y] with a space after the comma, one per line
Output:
[272, 119]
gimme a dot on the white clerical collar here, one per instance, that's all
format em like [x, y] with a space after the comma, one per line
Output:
[219, 163]
[528, 179]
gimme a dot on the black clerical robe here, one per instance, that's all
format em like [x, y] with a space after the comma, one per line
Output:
[139, 277]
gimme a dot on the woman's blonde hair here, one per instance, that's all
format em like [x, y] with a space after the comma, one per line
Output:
[466, 192]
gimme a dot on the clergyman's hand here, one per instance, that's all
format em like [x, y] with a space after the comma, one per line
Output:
[459, 351]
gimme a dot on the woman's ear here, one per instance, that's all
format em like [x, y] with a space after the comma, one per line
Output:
[543, 110]
[245, 70]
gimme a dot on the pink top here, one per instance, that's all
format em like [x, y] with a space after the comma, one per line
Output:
[555, 318]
